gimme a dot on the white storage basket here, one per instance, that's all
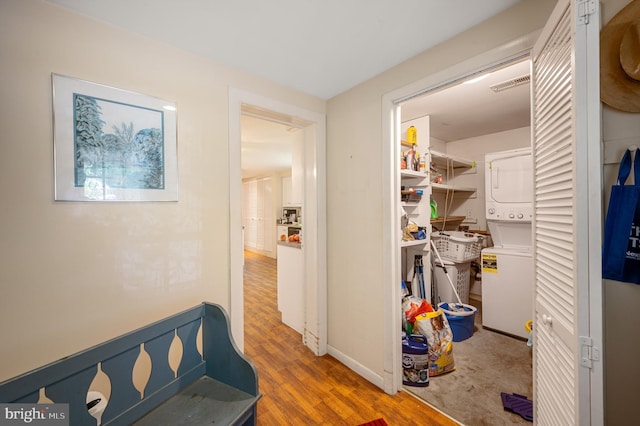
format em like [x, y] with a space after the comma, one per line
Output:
[457, 246]
[460, 274]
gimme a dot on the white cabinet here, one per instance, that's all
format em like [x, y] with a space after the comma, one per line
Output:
[297, 174]
[286, 191]
[257, 214]
[293, 186]
[291, 194]
[290, 271]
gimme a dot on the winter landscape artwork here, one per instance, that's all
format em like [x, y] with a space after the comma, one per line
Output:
[111, 144]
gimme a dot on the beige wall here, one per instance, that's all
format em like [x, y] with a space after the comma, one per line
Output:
[75, 274]
[622, 300]
[354, 183]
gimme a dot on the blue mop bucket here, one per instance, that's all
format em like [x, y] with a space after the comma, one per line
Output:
[461, 322]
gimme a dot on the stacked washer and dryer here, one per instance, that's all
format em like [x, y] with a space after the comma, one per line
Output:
[507, 267]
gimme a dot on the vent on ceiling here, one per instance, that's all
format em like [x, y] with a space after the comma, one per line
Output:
[511, 83]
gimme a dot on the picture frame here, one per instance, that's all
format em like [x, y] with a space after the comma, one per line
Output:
[112, 144]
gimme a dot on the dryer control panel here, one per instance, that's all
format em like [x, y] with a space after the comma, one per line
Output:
[495, 211]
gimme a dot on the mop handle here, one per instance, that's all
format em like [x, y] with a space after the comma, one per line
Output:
[435, 250]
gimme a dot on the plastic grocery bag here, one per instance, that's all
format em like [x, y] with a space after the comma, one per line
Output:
[413, 306]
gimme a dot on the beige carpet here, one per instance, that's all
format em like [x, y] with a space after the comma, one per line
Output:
[487, 363]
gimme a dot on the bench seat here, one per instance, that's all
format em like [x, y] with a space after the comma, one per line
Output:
[212, 382]
[205, 402]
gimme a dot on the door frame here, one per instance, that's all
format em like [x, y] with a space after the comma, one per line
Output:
[519, 48]
[314, 214]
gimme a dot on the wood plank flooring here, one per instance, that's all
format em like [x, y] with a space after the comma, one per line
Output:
[300, 388]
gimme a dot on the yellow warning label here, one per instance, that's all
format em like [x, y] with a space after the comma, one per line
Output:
[490, 263]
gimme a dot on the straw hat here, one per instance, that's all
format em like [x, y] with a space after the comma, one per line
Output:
[620, 60]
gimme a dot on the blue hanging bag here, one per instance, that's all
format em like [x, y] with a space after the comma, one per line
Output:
[621, 248]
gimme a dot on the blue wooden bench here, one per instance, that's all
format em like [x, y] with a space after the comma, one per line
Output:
[211, 383]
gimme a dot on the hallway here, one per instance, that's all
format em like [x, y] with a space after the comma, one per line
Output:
[301, 389]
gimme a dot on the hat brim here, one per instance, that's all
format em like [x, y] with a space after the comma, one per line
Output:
[617, 89]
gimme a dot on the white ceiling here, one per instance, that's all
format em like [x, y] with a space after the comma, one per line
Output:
[324, 48]
[267, 146]
[463, 111]
[321, 47]
[458, 112]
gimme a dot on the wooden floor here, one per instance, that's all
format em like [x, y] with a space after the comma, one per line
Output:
[300, 388]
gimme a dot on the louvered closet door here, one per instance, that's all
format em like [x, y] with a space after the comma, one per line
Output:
[561, 225]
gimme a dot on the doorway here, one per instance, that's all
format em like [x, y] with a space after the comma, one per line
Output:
[391, 122]
[487, 112]
[312, 125]
[272, 162]
[267, 148]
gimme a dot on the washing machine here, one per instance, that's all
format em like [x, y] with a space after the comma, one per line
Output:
[507, 290]
[507, 267]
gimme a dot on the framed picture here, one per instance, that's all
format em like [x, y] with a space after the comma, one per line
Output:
[111, 144]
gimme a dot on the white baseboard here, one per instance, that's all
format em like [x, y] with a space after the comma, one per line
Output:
[363, 371]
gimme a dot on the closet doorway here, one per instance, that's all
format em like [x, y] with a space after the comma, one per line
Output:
[566, 149]
[485, 113]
